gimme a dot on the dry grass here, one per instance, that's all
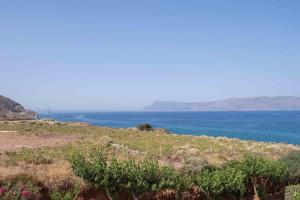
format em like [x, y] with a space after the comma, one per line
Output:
[48, 162]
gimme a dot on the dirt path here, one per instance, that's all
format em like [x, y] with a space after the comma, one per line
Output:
[11, 140]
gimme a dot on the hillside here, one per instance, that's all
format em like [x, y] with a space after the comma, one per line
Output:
[41, 150]
[283, 103]
[11, 110]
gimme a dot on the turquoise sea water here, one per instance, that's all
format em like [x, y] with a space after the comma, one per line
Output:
[260, 126]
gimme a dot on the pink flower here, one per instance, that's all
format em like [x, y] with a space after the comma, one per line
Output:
[2, 190]
[25, 193]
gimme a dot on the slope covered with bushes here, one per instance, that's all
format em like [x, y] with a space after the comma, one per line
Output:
[250, 176]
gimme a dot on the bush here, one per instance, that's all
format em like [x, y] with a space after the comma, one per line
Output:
[119, 176]
[234, 177]
[260, 172]
[145, 127]
[138, 177]
[292, 192]
[21, 187]
[217, 182]
[133, 177]
[92, 170]
[256, 167]
[292, 162]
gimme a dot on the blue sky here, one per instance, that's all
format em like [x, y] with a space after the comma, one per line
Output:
[121, 55]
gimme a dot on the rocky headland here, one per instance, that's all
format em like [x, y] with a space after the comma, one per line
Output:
[11, 110]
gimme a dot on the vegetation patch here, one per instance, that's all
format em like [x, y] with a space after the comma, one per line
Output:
[133, 177]
[21, 187]
[133, 163]
[292, 192]
[251, 175]
[145, 127]
[292, 161]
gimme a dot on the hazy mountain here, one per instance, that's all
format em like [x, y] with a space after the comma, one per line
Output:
[282, 103]
[11, 110]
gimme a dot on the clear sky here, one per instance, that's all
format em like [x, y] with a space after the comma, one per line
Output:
[122, 55]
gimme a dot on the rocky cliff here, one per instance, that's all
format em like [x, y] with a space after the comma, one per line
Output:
[11, 110]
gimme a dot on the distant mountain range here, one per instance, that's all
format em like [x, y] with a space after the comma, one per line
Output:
[281, 103]
[11, 110]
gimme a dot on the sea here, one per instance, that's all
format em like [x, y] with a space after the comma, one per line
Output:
[283, 126]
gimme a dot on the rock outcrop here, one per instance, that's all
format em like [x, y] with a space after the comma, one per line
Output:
[11, 110]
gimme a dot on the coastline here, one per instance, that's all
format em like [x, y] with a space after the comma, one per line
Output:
[225, 143]
[279, 127]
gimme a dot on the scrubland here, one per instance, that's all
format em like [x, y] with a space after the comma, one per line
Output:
[42, 150]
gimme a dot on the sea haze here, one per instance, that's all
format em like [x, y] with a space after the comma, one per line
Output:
[275, 126]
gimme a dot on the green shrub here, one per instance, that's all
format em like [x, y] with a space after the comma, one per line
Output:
[137, 177]
[171, 178]
[93, 169]
[292, 192]
[134, 177]
[258, 167]
[292, 162]
[217, 182]
[120, 176]
[297, 195]
[145, 127]
[235, 176]
[260, 172]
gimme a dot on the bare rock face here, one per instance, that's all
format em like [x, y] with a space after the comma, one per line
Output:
[11, 110]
